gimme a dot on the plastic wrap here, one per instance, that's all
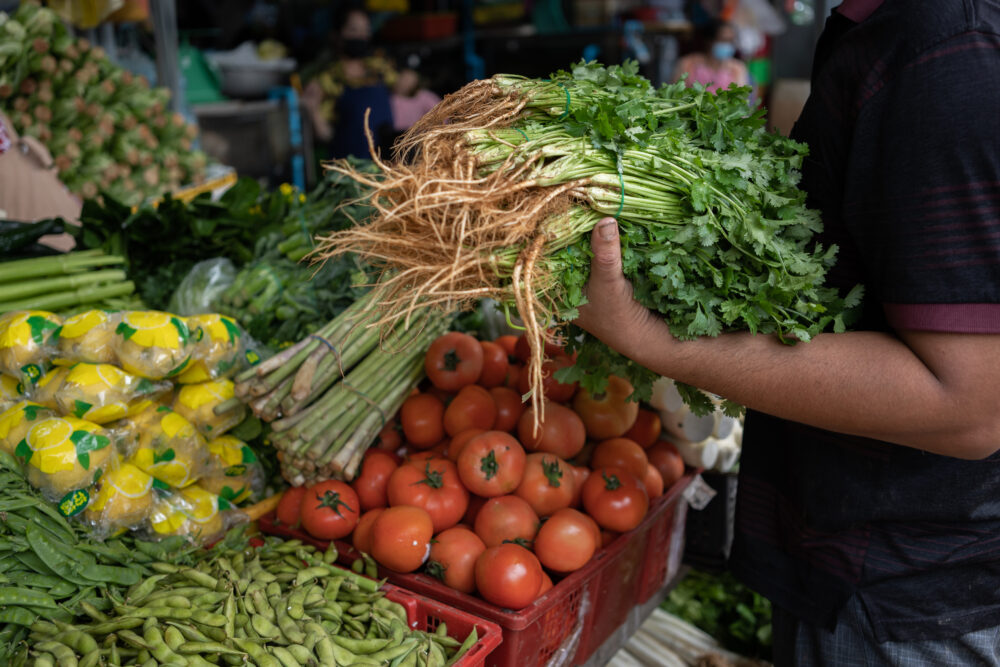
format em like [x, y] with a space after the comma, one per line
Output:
[197, 403]
[11, 391]
[167, 446]
[17, 420]
[201, 287]
[217, 351]
[88, 336]
[193, 512]
[153, 344]
[100, 393]
[64, 454]
[27, 340]
[236, 474]
[122, 498]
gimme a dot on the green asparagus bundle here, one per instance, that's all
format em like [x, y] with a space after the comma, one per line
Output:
[62, 282]
[330, 394]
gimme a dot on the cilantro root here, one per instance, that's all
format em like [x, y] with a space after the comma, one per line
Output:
[507, 177]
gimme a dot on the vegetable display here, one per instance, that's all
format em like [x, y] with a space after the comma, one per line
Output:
[106, 129]
[62, 282]
[510, 175]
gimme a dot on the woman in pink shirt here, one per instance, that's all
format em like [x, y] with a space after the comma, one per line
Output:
[718, 68]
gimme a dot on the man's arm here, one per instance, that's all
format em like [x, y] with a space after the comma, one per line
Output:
[932, 391]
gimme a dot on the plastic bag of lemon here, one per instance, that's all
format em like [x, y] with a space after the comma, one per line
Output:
[192, 512]
[100, 393]
[62, 455]
[27, 342]
[198, 404]
[17, 420]
[122, 498]
[89, 337]
[218, 348]
[153, 344]
[236, 474]
[167, 446]
[11, 391]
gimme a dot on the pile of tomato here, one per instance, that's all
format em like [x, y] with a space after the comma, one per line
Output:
[461, 484]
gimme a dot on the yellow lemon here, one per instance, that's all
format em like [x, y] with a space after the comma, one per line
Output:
[193, 511]
[48, 387]
[169, 447]
[11, 390]
[17, 420]
[88, 336]
[216, 351]
[101, 392]
[197, 402]
[163, 466]
[153, 344]
[123, 498]
[235, 469]
[24, 341]
[64, 454]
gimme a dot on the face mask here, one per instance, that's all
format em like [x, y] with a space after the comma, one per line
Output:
[723, 50]
[355, 48]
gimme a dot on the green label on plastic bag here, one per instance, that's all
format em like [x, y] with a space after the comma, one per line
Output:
[74, 502]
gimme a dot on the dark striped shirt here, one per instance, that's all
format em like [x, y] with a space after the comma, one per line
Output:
[903, 125]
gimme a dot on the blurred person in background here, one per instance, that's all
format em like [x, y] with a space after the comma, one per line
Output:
[719, 67]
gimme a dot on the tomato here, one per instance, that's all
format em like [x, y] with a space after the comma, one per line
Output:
[506, 519]
[646, 429]
[432, 485]
[330, 510]
[475, 504]
[595, 529]
[401, 538]
[362, 537]
[608, 536]
[289, 506]
[552, 389]
[389, 438]
[494, 365]
[615, 499]
[458, 443]
[653, 481]
[509, 408]
[561, 432]
[668, 461]
[446, 397]
[580, 475]
[426, 455]
[454, 360]
[566, 542]
[620, 453]
[608, 415]
[508, 576]
[473, 407]
[453, 558]
[513, 381]
[548, 485]
[546, 584]
[508, 343]
[422, 416]
[491, 464]
[522, 350]
[377, 467]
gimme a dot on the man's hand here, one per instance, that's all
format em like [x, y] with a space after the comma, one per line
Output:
[611, 313]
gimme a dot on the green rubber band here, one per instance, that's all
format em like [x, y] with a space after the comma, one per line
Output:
[566, 112]
[369, 401]
[523, 133]
[621, 183]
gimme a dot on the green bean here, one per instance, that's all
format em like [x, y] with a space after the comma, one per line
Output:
[464, 648]
[200, 578]
[359, 609]
[213, 633]
[325, 651]
[302, 655]
[134, 640]
[116, 625]
[284, 656]
[358, 566]
[173, 637]
[363, 646]
[310, 573]
[63, 654]
[264, 627]
[18, 615]
[177, 601]
[207, 647]
[25, 596]
[289, 628]
[210, 599]
[229, 611]
[262, 606]
[260, 655]
[273, 590]
[77, 640]
[436, 657]
[93, 612]
[394, 650]
[91, 659]
[44, 660]
[165, 568]
[166, 613]
[189, 591]
[191, 633]
[111, 574]
[140, 591]
[44, 628]
[158, 646]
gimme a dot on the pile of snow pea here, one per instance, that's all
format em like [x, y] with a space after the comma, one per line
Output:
[282, 604]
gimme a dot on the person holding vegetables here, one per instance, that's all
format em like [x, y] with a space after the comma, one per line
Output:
[867, 506]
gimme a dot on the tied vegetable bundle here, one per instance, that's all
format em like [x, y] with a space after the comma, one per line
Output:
[330, 394]
[508, 176]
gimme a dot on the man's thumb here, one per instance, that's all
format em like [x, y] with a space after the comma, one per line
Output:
[605, 245]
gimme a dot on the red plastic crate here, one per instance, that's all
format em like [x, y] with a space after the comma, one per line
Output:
[427, 614]
[622, 575]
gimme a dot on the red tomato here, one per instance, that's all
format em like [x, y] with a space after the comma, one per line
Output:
[646, 429]
[473, 407]
[508, 576]
[290, 505]
[401, 538]
[494, 365]
[513, 380]
[453, 558]
[423, 420]
[475, 504]
[546, 584]
[362, 537]
[667, 460]
[565, 542]
[522, 350]
[377, 467]
[459, 442]
[552, 389]
[389, 437]
[595, 529]
[615, 499]
[432, 485]
[608, 415]
[560, 433]
[620, 453]
[653, 482]
[330, 510]
[491, 464]
[549, 483]
[506, 519]
[580, 475]
[608, 536]
[509, 408]
[426, 455]
[508, 343]
[453, 361]
[446, 397]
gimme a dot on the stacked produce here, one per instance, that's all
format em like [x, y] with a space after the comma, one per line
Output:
[331, 393]
[107, 130]
[482, 501]
[279, 604]
[62, 282]
[116, 414]
[509, 175]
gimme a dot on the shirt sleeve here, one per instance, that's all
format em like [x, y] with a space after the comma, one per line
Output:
[926, 200]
